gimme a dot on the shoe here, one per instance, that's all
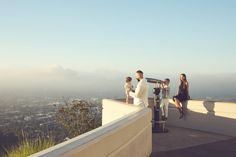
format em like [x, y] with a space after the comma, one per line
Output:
[163, 118]
[181, 112]
[181, 115]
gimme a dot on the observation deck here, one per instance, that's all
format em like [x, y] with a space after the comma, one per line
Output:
[209, 129]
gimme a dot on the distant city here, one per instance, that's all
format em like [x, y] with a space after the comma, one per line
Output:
[32, 116]
[33, 112]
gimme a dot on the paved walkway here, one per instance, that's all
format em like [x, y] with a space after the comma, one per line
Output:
[180, 142]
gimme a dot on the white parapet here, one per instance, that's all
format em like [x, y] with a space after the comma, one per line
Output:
[210, 116]
[126, 131]
[114, 110]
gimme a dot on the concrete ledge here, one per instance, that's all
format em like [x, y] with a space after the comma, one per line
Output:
[215, 117]
[114, 110]
[128, 135]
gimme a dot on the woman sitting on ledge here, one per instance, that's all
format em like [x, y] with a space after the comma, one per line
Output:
[183, 94]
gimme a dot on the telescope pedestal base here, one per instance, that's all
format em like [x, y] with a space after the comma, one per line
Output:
[159, 130]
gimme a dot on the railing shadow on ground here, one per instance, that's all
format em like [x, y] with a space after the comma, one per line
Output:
[209, 105]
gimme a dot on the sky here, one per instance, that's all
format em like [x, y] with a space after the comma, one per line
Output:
[115, 38]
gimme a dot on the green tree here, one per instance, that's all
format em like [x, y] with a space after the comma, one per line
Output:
[80, 116]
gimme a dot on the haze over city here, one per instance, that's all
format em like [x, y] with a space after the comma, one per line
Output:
[87, 48]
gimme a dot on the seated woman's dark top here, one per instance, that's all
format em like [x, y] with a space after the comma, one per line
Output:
[182, 95]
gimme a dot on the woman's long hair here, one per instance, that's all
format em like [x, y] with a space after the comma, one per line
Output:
[183, 82]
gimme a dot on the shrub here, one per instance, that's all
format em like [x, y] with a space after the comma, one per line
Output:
[80, 116]
[27, 147]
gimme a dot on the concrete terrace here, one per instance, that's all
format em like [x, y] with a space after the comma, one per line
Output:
[181, 142]
[208, 130]
[185, 142]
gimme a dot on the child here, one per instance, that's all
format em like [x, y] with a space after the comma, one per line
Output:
[165, 99]
[128, 87]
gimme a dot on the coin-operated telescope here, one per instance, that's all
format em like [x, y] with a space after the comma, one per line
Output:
[158, 125]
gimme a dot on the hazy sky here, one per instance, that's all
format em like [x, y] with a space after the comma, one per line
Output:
[161, 36]
[74, 47]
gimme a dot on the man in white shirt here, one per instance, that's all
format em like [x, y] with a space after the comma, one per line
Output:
[141, 92]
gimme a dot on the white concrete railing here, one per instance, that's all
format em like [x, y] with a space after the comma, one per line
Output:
[126, 131]
[215, 117]
[114, 110]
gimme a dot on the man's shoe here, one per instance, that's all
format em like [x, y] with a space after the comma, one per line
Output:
[163, 118]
